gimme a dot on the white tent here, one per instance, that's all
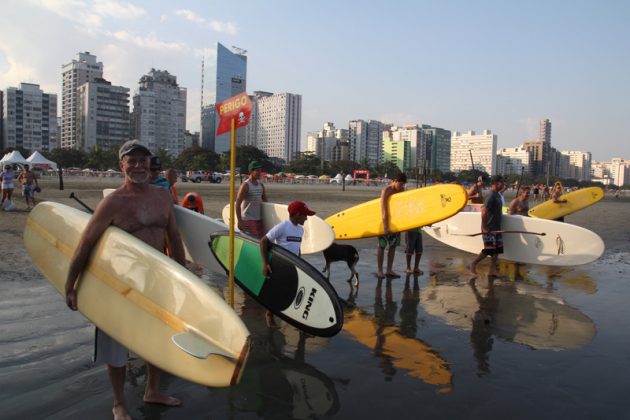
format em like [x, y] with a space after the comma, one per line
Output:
[13, 158]
[37, 159]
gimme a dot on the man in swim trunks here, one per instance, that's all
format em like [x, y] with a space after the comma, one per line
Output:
[146, 213]
[249, 201]
[520, 205]
[389, 240]
[29, 183]
[491, 226]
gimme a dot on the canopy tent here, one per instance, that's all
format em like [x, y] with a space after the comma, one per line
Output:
[37, 159]
[13, 158]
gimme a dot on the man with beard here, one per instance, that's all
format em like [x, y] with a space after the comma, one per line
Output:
[146, 213]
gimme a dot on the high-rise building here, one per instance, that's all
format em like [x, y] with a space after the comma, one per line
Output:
[230, 80]
[103, 112]
[330, 143]
[579, 165]
[514, 161]
[30, 119]
[478, 149]
[275, 124]
[74, 74]
[398, 151]
[417, 148]
[2, 146]
[545, 131]
[366, 141]
[438, 141]
[159, 112]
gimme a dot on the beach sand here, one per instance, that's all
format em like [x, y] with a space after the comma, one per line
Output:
[429, 346]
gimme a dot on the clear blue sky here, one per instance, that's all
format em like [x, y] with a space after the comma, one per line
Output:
[459, 65]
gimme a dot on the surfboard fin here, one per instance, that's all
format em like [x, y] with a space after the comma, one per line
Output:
[197, 346]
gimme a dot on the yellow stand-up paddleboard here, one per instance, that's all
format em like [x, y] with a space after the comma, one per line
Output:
[141, 298]
[409, 209]
[576, 200]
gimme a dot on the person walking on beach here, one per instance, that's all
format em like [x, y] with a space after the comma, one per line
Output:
[389, 240]
[413, 247]
[29, 184]
[536, 193]
[520, 205]
[475, 193]
[287, 234]
[490, 226]
[146, 213]
[6, 177]
[249, 199]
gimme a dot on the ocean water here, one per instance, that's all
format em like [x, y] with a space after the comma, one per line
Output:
[540, 342]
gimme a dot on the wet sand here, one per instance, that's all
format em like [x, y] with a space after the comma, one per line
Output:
[541, 342]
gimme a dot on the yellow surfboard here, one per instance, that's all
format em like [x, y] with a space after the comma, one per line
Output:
[141, 298]
[576, 200]
[409, 209]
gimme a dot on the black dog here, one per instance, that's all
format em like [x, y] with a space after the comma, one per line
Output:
[346, 253]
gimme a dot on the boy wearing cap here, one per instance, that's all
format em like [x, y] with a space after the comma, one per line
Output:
[491, 214]
[287, 234]
[249, 201]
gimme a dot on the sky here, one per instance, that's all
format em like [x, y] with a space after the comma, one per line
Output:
[459, 65]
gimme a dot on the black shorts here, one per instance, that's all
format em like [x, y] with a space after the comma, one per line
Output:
[492, 243]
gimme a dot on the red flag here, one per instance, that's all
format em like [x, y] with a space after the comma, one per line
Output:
[237, 107]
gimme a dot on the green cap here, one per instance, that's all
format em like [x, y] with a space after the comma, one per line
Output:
[254, 165]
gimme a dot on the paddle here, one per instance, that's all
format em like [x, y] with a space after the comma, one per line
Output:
[81, 202]
[500, 231]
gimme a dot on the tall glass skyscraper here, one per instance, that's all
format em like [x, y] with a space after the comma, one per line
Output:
[230, 80]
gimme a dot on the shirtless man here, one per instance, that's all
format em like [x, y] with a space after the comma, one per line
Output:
[520, 205]
[475, 192]
[146, 213]
[29, 182]
[389, 240]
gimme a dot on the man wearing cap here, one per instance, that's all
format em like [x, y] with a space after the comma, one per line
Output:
[155, 177]
[287, 234]
[249, 201]
[491, 214]
[146, 213]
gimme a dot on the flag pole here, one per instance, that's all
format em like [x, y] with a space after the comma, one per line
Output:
[232, 176]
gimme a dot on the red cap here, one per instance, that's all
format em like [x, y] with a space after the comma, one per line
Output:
[299, 207]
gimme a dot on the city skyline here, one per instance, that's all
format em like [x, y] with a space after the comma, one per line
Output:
[458, 66]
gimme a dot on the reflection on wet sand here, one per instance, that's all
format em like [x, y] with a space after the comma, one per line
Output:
[276, 384]
[396, 346]
[516, 312]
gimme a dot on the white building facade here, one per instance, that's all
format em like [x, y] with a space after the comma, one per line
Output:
[30, 118]
[579, 165]
[513, 160]
[83, 69]
[159, 112]
[103, 112]
[275, 124]
[482, 147]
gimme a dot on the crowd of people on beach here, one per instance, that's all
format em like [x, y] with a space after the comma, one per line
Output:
[147, 213]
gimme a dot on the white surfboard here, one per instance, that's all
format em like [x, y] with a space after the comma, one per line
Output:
[143, 299]
[539, 241]
[195, 230]
[318, 235]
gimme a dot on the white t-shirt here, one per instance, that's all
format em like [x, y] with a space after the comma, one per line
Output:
[287, 235]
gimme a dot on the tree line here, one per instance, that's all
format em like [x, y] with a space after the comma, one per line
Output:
[196, 158]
